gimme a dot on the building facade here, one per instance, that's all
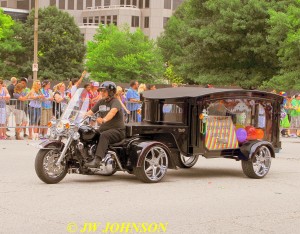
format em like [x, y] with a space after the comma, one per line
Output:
[149, 15]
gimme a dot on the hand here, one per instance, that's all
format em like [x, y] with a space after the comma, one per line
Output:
[83, 73]
[128, 112]
[100, 120]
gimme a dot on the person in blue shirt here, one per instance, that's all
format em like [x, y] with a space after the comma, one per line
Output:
[133, 100]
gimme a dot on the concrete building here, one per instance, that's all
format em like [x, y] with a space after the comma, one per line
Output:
[150, 15]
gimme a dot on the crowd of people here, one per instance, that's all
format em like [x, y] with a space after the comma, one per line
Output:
[33, 108]
[290, 119]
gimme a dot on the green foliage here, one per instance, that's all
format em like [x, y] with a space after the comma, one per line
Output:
[284, 35]
[221, 42]
[171, 76]
[61, 49]
[10, 48]
[120, 55]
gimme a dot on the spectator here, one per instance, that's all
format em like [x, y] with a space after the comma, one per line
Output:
[87, 94]
[4, 97]
[12, 103]
[295, 115]
[21, 119]
[151, 87]
[46, 108]
[60, 99]
[25, 92]
[96, 96]
[133, 100]
[142, 88]
[76, 83]
[120, 96]
[35, 106]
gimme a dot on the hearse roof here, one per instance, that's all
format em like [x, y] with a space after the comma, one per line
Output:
[186, 92]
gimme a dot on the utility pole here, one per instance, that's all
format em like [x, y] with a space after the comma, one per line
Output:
[35, 50]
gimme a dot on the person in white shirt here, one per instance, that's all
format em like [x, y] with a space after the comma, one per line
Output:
[76, 82]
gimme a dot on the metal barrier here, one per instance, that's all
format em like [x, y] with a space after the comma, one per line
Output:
[135, 109]
[18, 114]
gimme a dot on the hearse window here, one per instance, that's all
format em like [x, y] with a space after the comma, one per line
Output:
[248, 114]
[171, 112]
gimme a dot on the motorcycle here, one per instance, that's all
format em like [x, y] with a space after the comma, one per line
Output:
[73, 142]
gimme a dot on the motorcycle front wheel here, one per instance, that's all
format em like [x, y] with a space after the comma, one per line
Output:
[45, 166]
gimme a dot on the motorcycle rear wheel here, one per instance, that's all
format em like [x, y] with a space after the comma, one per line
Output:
[46, 169]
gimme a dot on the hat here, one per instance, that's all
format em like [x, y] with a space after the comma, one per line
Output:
[284, 94]
[95, 84]
[24, 79]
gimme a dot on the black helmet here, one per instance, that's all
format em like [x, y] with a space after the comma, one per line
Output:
[110, 87]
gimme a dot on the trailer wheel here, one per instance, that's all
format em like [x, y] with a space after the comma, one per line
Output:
[183, 161]
[259, 165]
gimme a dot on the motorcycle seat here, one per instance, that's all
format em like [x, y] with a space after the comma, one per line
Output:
[121, 143]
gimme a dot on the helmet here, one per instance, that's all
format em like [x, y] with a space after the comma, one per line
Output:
[110, 87]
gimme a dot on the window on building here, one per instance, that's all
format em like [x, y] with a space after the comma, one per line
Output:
[98, 3]
[127, 2]
[134, 2]
[84, 20]
[108, 19]
[3, 3]
[32, 4]
[176, 3]
[146, 22]
[79, 4]
[106, 2]
[115, 20]
[62, 4]
[23, 5]
[91, 20]
[70, 4]
[103, 19]
[165, 21]
[167, 4]
[96, 19]
[89, 3]
[147, 3]
[135, 21]
[122, 2]
[52, 2]
[141, 3]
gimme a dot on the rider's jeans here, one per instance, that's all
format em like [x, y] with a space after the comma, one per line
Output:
[108, 137]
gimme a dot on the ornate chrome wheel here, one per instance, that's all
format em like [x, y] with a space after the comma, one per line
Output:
[188, 162]
[45, 166]
[51, 169]
[259, 165]
[155, 165]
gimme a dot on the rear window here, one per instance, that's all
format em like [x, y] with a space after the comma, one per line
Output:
[171, 112]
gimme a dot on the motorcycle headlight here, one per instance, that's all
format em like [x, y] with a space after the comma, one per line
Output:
[62, 126]
[76, 136]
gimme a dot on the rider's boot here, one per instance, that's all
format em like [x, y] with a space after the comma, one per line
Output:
[95, 163]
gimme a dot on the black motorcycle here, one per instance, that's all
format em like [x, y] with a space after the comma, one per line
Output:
[73, 142]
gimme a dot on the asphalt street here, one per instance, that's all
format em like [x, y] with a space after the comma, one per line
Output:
[213, 197]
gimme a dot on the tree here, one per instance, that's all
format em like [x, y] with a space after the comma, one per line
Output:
[10, 48]
[120, 55]
[61, 48]
[284, 34]
[221, 42]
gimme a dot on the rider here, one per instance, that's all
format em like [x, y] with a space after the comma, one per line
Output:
[112, 128]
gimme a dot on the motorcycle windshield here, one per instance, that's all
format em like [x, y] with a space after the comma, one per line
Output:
[77, 107]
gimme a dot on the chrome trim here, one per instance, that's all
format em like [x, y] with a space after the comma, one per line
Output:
[62, 155]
